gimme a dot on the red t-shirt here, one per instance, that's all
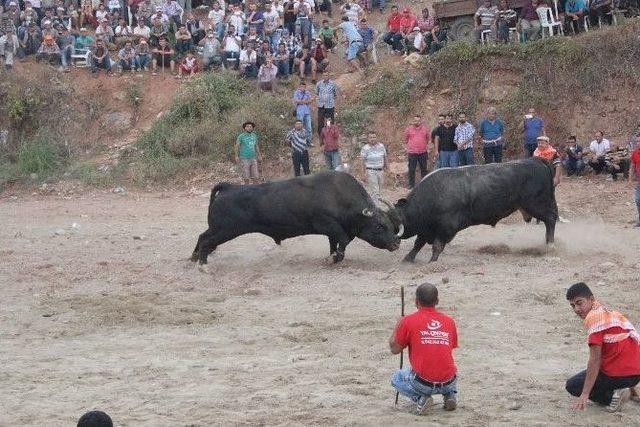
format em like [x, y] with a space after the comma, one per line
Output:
[635, 159]
[416, 139]
[393, 23]
[619, 359]
[431, 337]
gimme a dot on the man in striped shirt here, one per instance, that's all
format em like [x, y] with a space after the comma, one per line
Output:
[299, 139]
[485, 19]
[464, 140]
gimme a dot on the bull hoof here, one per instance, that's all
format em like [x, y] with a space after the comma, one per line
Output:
[195, 256]
[337, 257]
[409, 259]
[203, 268]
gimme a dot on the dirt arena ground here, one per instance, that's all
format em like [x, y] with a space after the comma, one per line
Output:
[108, 314]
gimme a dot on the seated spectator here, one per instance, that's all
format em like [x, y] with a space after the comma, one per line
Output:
[319, 59]
[507, 18]
[84, 41]
[127, 58]
[143, 53]
[67, 44]
[435, 40]
[294, 45]
[573, 163]
[49, 51]
[251, 36]
[105, 32]
[86, 14]
[231, 45]
[237, 20]
[13, 14]
[618, 160]
[597, 150]
[529, 22]
[304, 27]
[327, 35]
[394, 36]
[164, 19]
[195, 27]
[158, 31]
[248, 60]
[188, 66]
[281, 58]
[303, 62]
[8, 47]
[407, 22]
[368, 35]
[123, 33]
[574, 12]
[173, 11]
[48, 30]
[267, 75]
[145, 10]
[29, 14]
[30, 42]
[485, 20]
[211, 51]
[47, 18]
[102, 13]
[600, 11]
[162, 56]
[184, 43]
[415, 42]
[216, 20]
[141, 31]
[113, 6]
[99, 58]
[61, 19]
[426, 22]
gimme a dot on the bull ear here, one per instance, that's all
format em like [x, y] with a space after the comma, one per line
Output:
[367, 212]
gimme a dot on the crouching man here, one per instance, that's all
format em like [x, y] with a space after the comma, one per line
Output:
[613, 369]
[431, 337]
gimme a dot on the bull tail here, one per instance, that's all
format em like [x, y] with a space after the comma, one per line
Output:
[218, 188]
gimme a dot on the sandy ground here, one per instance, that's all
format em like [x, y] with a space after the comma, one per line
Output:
[92, 317]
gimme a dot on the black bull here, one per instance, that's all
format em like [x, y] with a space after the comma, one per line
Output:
[333, 204]
[452, 199]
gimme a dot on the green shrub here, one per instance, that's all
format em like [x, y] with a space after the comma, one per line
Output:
[39, 156]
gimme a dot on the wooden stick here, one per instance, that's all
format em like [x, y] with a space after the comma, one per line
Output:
[402, 352]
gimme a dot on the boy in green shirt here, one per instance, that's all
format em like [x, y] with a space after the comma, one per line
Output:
[327, 35]
[248, 152]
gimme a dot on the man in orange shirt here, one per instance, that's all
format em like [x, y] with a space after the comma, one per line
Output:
[416, 138]
[635, 173]
[431, 337]
[613, 369]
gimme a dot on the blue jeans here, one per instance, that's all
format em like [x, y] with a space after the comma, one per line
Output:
[143, 60]
[574, 166]
[492, 153]
[404, 382]
[131, 64]
[466, 157]
[333, 159]
[448, 159]
[306, 120]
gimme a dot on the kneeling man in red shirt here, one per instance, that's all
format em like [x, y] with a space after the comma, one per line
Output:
[613, 369]
[431, 337]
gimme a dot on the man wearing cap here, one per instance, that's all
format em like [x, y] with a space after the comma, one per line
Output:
[8, 48]
[431, 337]
[247, 152]
[547, 152]
[49, 51]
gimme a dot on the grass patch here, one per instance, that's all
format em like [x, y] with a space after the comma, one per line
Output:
[203, 123]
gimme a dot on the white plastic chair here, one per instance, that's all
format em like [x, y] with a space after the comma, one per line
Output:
[548, 22]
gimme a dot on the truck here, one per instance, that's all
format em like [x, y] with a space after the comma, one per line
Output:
[457, 15]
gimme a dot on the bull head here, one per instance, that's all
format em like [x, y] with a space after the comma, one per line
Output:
[393, 215]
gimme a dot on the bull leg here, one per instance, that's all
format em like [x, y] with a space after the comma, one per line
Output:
[336, 234]
[333, 245]
[436, 249]
[526, 215]
[419, 244]
[212, 241]
[550, 226]
[196, 251]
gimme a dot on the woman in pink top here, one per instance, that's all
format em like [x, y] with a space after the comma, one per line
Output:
[416, 136]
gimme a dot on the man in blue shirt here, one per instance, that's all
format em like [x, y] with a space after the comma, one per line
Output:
[574, 11]
[491, 132]
[354, 40]
[533, 127]
[302, 99]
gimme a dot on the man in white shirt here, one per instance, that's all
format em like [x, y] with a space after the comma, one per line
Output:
[231, 45]
[374, 157]
[248, 59]
[216, 19]
[141, 31]
[598, 149]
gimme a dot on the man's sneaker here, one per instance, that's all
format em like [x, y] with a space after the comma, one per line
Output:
[423, 405]
[450, 404]
[619, 396]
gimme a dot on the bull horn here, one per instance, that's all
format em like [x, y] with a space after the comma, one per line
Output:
[400, 231]
[367, 212]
